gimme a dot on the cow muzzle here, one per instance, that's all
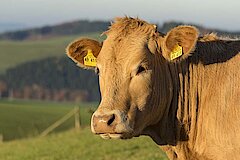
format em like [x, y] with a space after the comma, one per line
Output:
[111, 124]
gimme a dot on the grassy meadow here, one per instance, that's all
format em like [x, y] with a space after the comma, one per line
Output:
[13, 53]
[26, 119]
[82, 145]
[21, 119]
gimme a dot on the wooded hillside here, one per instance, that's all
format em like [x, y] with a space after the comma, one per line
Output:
[56, 78]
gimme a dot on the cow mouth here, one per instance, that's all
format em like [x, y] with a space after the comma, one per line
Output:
[115, 135]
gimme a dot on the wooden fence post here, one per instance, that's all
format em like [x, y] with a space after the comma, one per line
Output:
[58, 123]
[77, 118]
[1, 138]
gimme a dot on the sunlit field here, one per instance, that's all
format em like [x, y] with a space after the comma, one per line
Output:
[27, 119]
[22, 119]
[82, 145]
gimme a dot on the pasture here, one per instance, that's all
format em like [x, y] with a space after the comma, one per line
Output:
[72, 145]
[26, 119]
[21, 119]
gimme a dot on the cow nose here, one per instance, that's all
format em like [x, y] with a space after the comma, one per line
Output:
[104, 123]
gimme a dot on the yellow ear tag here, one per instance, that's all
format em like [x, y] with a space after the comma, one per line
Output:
[176, 52]
[90, 59]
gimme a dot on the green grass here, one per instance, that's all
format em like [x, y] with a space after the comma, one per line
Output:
[13, 53]
[25, 119]
[72, 145]
[21, 119]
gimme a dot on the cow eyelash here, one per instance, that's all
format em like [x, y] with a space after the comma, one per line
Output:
[140, 70]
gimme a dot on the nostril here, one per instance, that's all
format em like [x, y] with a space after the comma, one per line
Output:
[111, 120]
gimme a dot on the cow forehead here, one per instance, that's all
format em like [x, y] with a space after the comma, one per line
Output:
[125, 37]
[131, 49]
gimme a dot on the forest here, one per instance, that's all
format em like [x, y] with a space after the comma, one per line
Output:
[55, 78]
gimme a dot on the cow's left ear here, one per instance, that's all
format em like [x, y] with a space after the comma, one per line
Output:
[84, 52]
[179, 43]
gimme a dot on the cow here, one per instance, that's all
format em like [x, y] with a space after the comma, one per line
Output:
[180, 88]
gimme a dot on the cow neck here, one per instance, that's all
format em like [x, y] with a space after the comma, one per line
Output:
[181, 119]
[185, 101]
[189, 79]
[212, 52]
[182, 103]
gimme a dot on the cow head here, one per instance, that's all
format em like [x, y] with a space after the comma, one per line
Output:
[135, 83]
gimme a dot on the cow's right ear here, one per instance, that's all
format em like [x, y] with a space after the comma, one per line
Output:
[179, 43]
[84, 52]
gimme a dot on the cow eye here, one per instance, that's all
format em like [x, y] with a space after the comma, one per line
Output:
[140, 70]
[97, 70]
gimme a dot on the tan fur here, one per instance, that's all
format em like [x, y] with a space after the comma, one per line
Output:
[190, 108]
[125, 26]
[209, 37]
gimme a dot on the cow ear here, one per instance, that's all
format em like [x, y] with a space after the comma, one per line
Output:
[179, 43]
[84, 52]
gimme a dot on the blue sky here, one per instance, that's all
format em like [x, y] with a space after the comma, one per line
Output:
[210, 13]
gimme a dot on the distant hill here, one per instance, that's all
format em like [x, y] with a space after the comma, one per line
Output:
[70, 28]
[85, 26]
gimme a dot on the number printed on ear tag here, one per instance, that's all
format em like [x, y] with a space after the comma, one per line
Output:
[176, 52]
[90, 59]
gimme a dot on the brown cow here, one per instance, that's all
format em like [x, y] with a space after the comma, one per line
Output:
[180, 89]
